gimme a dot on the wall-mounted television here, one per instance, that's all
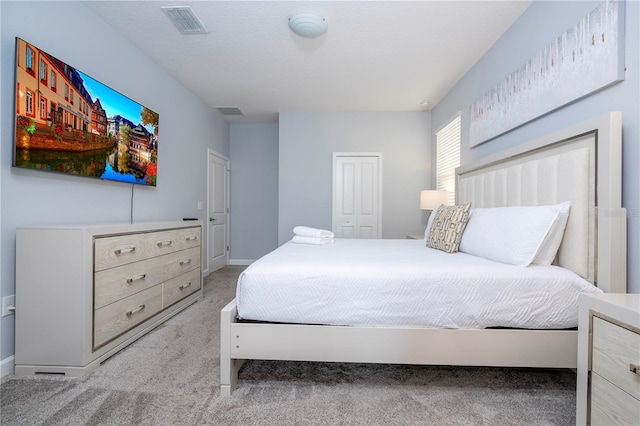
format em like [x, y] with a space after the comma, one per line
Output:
[68, 122]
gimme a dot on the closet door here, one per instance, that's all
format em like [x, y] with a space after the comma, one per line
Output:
[356, 195]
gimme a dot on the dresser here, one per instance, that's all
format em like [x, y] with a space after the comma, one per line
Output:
[608, 389]
[85, 292]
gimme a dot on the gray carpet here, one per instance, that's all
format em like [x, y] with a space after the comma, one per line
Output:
[171, 377]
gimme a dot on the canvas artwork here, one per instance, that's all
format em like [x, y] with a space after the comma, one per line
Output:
[582, 60]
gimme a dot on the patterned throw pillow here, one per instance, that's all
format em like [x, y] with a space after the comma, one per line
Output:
[447, 227]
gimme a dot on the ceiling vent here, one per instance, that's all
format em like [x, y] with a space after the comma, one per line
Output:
[229, 110]
[184, 19]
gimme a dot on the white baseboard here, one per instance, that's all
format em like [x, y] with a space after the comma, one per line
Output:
[241, 262]
[7, 366]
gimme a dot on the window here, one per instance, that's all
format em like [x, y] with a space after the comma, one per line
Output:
[71, 96]
[29, 60]
[66, 92]
[53, 81]
[448, 156]
[43, 71]
[43, 107]
[29, 104]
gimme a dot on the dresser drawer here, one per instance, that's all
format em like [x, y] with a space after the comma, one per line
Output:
[116, 283]
[614, 349]
[123, 249]
[180, 287]
[115, 319]
[610, 405]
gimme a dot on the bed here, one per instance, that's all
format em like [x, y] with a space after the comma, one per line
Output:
[580, 164]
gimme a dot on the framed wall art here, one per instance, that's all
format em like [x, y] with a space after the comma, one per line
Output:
[584, 59]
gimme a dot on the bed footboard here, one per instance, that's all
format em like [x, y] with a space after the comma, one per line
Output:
[228, 367]
[389, 345]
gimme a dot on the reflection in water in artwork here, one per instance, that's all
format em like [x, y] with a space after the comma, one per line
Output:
[112, 174]
[98, 163]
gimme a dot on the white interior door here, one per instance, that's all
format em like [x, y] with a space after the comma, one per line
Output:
[356, 195]
[218, 211]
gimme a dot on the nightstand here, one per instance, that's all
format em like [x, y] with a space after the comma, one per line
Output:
[415, 237]
[608, 390]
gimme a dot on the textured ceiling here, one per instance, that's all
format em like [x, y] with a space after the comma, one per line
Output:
[375, 55]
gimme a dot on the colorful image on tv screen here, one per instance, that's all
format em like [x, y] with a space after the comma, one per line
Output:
[68, 122]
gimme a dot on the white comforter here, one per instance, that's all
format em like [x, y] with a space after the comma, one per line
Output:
[402, 282]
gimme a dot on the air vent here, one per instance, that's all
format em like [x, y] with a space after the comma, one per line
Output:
[229, 110]
[184, 19]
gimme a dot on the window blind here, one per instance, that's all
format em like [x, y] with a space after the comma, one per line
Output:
[448, 157]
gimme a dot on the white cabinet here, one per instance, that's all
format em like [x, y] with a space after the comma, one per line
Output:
[609, 360]
[85, 292]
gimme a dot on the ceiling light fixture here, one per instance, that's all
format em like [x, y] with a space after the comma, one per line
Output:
[308, 25]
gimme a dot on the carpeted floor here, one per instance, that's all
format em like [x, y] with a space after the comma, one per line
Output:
[171, 377]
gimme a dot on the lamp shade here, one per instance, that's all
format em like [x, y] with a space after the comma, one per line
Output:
[432, 199]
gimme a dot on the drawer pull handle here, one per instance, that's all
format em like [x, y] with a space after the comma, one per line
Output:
[136, 310]
[185, 262]
[192, 238]
[183, 286]
[634, 368]
[164, 243]
[139, 277]
[118, 252]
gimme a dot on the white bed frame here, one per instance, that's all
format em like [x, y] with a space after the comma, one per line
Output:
[606, 257]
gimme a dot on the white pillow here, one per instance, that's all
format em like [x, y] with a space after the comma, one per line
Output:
[512, 235]
[547, 253]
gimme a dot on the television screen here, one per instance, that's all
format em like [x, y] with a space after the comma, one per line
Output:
[67, 122]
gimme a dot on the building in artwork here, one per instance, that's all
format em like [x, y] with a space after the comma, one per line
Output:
[98, 119]
[50, 92]
[115, 122]
[140, 144]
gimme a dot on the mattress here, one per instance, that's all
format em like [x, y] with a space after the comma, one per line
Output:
[403, 283]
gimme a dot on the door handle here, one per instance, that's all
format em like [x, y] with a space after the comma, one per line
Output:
[211, 219]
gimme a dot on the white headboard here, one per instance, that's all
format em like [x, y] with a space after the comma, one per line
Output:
[581, 164]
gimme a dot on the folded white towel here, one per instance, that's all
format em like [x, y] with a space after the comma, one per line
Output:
[305, 231]
[298, 239]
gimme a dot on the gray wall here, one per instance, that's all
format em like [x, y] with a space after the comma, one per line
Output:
[541, 23]
[254, 191]
[187, 128]
[307, 141]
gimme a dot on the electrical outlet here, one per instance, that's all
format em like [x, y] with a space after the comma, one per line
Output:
[8, 301]
[199, 205]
